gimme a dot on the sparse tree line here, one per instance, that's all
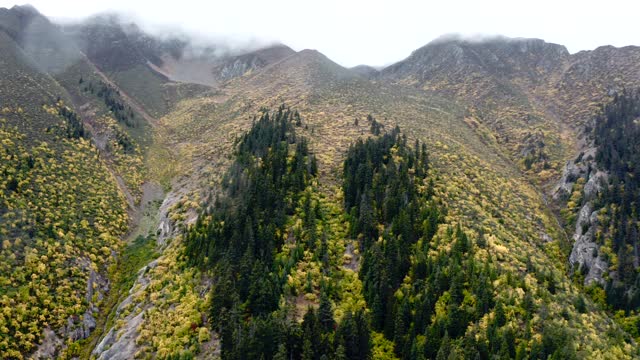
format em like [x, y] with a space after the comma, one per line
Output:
[111, 98]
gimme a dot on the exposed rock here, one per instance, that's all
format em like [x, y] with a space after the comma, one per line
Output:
[120, 345]
[106, 342]
[90, 282]
[82, 330]
[78, 328]
[88, 323]
[585, 255]
[239, 67]
[572, 172]
[594, 185]
[545, 237]
[166, 226]
[50, 343]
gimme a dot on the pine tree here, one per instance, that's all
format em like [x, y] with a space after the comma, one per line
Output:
[282, 353]
[325, 313]
[445, 348]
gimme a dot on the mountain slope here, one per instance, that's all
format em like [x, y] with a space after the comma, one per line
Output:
[331, 211]
[498, 80]
[61, 212]
[592, 77]
[496, 206]
[39, 38]
[531, 95]
[69, 174]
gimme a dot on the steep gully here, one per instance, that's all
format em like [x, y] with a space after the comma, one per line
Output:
[144, 217]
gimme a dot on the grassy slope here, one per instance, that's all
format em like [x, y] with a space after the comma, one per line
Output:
[145, 86]
[25, 88]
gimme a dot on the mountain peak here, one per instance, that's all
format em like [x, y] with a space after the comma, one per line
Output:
[518, 44]
[494, 56]
[306, 70]
[25, 9]
[364, 70]
[312, 54]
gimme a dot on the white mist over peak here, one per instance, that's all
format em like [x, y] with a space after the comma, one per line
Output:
[369, 32]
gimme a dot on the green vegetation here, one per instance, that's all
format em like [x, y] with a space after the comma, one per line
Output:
[111, 97]
[145, 86]
[390, 210]
[426, 294]
[122, 275]
[239, 234]
[616, 136]
[61, 218]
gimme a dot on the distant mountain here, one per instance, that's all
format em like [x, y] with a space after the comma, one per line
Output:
[240, 65]
[214, 70]
[365, 70]
[39, 38]
[527, 91]
[307, 70]
[115, 45]
[495, 58]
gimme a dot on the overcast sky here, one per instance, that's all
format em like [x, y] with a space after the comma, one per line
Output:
[353, 32]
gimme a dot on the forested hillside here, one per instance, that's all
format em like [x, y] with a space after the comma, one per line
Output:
[616, 135]
[61, 219]
[603, 209]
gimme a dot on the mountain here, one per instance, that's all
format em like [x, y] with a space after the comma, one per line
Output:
[365, 70]
[62, 211]
[519, 89]
[39, 38]
[334, 105]
[25, 84]
[167, 199]
[594, 76]
[496, 59]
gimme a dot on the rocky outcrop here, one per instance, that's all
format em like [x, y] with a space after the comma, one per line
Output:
[585, 255]
[49, 346]
[573, 170]
[594, 185]
[120, 343]
[78, 329]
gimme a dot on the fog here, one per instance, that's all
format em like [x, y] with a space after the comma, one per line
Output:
[367, 32]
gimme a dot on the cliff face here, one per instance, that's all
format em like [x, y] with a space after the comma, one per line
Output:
[580, 184]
